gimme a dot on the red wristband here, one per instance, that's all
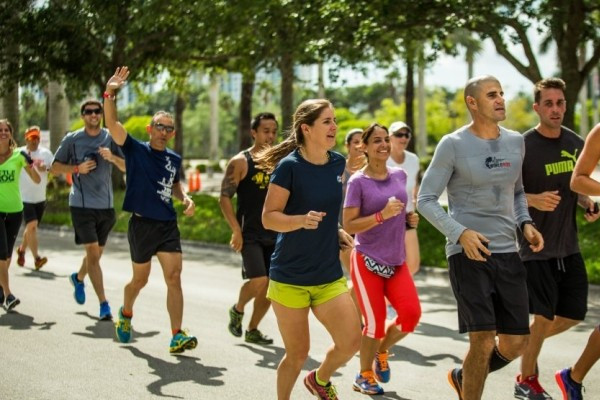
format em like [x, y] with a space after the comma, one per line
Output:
[110, 96]
[76, 169]
[379, 217]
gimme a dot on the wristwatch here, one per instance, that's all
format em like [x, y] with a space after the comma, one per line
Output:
[530, 222]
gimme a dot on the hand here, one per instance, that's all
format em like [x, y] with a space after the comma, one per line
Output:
[545, 201]
[311, 219]
[534, 237]
[346, 241]
[412, 218]
[592, 213]
[118, 80]
[190, 207]
[105, 153]
[392, 208]
[474, 245]
[86, 167]
[236, 241]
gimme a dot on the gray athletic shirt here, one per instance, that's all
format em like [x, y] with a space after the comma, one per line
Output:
[485, 190]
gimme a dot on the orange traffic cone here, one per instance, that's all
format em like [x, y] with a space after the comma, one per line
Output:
[198, 181]
[190, 182]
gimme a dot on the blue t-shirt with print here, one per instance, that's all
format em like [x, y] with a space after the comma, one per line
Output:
[150, 178]
[309, 257]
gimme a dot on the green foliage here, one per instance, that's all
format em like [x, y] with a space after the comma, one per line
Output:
[432, 244]
[519, 114]
[136, 126]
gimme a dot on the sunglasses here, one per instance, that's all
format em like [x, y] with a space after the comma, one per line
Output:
[90, 111]
[401, 135]
[163, 127]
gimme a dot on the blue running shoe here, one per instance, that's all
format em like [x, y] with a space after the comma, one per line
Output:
[182, 341]
[570, 389]
[79, 292]
[366, 384]
[381, 367]
[105, 314]
[123, 327]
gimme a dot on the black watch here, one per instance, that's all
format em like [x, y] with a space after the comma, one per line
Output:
[530, 222]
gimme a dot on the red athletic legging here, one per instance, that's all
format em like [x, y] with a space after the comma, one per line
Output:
[372, 290]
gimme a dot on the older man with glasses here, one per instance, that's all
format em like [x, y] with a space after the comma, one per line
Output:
[88, 154]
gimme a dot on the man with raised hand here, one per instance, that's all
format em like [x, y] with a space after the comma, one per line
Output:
[249, 237]
[556, 276]
[152, 182]
[480, 167]
[88, 154]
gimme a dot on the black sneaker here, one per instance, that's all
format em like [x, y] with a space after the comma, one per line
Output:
[257, 337]
[455, 380]
[235, 322]
[1, 296]
[11, 302]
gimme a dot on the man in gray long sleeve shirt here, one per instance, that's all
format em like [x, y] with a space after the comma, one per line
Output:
[480, 166]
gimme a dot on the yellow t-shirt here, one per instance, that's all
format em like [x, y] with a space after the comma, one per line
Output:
[10, 171]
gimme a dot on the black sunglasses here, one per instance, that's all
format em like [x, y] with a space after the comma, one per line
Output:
[401, 135]
[163, 127]
[90, 111]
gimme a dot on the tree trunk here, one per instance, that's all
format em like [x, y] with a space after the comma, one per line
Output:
[409, 97]
[595, 88]
[10, 110]
[244, 137]
[58, 113]
[421, 128]
[213, 94]
[321, 80]
[583, 96]
[179, 108]
[286, 68]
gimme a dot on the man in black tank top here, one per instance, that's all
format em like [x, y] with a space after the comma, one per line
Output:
[249, 237]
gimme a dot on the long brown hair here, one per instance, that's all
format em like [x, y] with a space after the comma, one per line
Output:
[306, 113]
[12, 144]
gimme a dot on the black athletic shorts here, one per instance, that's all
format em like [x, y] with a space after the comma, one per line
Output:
[9, 229]
[558, 286]
[490, 295]
[256, 258]
[92, 225]
[33, 211]
[149, 236]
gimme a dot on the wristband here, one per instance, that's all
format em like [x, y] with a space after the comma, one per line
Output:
[379, 217]
[528, 222]
[76, 169]
[107, 95]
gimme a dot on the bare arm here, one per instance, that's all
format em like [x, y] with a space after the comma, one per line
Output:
[545, 201]
[188, 203]
[117, 131]
[83, 168]
[111, 158]
[581, 180]
[235, 172]
[33, 174]
[354, 223]
[275, 219]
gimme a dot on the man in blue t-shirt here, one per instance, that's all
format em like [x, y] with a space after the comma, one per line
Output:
[152, 181]
[88, 154]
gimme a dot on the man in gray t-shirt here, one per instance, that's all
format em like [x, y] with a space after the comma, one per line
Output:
[88, 154]
[480, 167]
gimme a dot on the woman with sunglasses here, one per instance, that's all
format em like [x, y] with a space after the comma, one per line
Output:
[374, 209]
[12, 162]
[400, 135]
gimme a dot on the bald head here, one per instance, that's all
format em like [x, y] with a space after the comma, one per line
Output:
[473, 86]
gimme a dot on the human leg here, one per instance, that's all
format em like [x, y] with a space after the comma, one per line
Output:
[9, 229]
[475, 364]
[345, 260]
[588, 358]
[91, 266]
[139, 279]
[171, 264]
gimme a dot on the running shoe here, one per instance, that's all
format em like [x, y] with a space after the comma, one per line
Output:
[455, 381]
[1, 296]
[11, 302]
[326, 392]
[123, 327]
[570, 389]
[381, 367]
[79, 292]
[257, 337]
[20, 257]
[105, 314]
[530, 389]
[40, 262]
[182, 341]
[366, 384]
[235, 322]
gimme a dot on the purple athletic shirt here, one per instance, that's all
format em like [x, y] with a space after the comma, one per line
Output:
[385, 242]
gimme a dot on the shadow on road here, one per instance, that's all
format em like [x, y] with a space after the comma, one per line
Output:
[42, 274]
[401, 353]
[17, 321]
[185, 369]
[106, 330]
[272, 355]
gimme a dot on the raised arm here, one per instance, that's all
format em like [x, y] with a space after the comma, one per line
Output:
[581, 180]
[117, 131]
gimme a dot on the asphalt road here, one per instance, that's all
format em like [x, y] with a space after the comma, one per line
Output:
[53, 348]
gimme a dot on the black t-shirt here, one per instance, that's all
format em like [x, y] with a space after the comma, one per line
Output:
[251, 193]
[548, 165]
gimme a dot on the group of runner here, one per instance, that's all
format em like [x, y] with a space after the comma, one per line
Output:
[511, 233]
